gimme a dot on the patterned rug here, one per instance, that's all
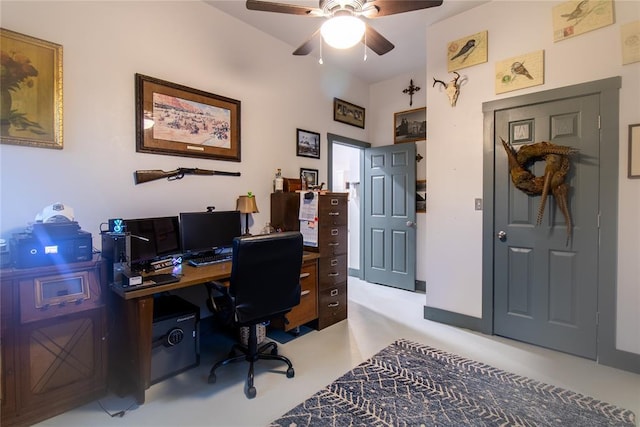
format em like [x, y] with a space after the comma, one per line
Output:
[408, 384]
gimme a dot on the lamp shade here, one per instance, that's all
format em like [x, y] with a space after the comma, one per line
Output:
[342, 32]
[247, 205]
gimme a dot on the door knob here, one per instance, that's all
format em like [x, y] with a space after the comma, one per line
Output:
[502, 235]
[411, 224]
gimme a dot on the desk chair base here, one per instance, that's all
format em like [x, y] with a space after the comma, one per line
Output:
[251, 354]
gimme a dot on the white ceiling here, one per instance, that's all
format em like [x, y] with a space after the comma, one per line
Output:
[407, 31]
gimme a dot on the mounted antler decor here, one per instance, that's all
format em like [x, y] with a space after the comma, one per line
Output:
[557, 160]
[452, 88]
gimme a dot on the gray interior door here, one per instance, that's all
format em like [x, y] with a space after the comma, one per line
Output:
[390, 215]
[545, 290]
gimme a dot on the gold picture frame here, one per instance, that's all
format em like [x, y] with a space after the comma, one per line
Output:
[467, 51]
[346, 112]
[177, 120]
[410, 125]
[30, 91]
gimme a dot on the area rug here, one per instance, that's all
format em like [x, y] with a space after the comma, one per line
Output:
[409, 384]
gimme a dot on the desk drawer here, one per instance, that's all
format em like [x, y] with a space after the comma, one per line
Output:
[332, 305]
[307, 310]
[332, 270]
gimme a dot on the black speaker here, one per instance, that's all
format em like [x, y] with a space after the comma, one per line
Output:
[175, 345]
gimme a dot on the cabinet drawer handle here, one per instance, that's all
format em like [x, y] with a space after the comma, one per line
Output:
[333, 304]
[334, 262]
[304, 275]
[334, 244]
[305, 292]
[334, 202]
[334, 213]
[334, 231]
[334, 292]
[333, 274]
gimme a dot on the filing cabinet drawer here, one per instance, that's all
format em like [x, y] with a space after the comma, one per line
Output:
[333, 210]
[332, 305]
[333, 269]
[307, 310]
[332, 240]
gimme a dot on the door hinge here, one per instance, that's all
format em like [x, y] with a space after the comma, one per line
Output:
[599, 214]
[597, 318]
[599, 122]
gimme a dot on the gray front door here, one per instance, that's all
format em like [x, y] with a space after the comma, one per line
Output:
[545, 290]
[390, 215]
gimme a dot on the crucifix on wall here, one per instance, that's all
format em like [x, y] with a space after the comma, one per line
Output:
[411, 90]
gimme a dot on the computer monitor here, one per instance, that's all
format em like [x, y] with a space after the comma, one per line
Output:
[208, 231]
[153, 238]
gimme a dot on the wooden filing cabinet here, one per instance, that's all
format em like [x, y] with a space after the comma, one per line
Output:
[331, 249]
[53, 329]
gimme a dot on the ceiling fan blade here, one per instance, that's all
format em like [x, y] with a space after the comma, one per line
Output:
[306, 47]
[267, 6]
[376, 41]
[392, 7]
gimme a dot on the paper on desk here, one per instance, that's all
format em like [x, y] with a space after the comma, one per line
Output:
[308, 207]
[309, 230]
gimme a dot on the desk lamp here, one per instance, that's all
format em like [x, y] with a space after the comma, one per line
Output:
[247, 205]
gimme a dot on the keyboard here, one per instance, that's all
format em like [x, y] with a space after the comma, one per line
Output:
[209, 259]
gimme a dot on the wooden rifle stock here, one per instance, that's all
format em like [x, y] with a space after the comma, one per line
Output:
[151, 175]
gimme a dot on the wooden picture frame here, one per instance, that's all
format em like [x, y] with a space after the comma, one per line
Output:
[346, 112]
[410, 125]
[634, 151]
[176, 120]
[307, 144]
[30, 91]
[309, 173]
[421, 196]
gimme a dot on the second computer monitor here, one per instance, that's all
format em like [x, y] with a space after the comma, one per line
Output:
[208, 231]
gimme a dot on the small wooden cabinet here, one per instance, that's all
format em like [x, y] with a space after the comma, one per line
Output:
[53, 328]
[332, 248]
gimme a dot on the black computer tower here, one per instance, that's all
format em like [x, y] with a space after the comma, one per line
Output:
[175, 337]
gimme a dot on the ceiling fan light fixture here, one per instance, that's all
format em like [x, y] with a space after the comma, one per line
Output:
[342, 32]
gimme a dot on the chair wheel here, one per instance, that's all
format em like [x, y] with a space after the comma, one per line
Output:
[212, 378]
[290, 373]
[251, 392]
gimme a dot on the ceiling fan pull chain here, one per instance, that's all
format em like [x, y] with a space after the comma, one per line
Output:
[320, 61]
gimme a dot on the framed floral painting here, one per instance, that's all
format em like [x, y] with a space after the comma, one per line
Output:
[30, 91]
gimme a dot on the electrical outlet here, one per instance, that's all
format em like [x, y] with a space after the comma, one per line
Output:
[478, 203]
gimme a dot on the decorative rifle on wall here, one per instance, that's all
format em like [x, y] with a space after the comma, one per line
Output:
[151, 175]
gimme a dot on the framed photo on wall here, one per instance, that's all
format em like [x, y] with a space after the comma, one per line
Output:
[176, 120]
[421, 195]
[31, 91]
[310, 175]
[307, 144]
[634, 151]
[410, 125]
[346, 112]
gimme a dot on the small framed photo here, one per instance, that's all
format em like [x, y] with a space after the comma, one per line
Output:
[307, 144]
[634, 151]
[348, 113]
[31, 107]
[309, 175]
[410, 125]
[421, 195]
[176, 120]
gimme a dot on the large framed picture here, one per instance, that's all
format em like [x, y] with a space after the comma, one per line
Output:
[30, 91]
[176, 120]
[307, 144]
[346, 112]
[410, 125]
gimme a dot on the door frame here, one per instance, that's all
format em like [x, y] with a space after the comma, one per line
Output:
[608, 91]
[360, 145]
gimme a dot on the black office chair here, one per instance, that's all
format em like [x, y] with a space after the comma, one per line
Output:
[264, 284]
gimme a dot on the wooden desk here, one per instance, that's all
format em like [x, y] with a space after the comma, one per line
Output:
[132, 322]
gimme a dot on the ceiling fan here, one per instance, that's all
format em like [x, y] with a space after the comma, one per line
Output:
[346, 13]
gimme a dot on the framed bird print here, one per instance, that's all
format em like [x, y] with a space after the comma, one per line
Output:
[467, 51]
[520, 72]
[575, 17]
